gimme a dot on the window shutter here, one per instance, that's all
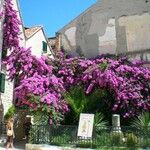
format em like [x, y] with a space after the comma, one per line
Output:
[4, 53]
[2, 82]
[44, 47]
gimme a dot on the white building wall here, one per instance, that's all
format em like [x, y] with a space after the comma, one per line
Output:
[7, 96]
[22, 34]
[35, 42]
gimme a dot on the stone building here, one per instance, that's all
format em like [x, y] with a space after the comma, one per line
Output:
[110, 26]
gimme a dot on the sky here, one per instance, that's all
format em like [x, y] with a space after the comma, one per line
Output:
[52, 14]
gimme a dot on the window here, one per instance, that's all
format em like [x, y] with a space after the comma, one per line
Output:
[44, 47]
[2, 82]
[4, 54]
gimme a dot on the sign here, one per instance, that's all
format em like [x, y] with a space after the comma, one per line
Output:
[85, 127]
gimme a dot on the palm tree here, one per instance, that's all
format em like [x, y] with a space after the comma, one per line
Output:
[76, 100]
[142, 123]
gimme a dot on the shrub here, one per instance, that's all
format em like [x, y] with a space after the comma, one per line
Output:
[116, 138]
[60, 140]
[132, 140]
[10, 113]
[146, 143]
[142, 123]
[104, 139]
[86, 144]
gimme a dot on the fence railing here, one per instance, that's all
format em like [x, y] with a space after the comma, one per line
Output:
[102, 136]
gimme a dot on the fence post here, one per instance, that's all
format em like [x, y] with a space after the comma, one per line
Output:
[116, 123]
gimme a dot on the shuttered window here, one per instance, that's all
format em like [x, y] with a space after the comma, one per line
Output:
[4, 53]
[2, 82]
[44, 47]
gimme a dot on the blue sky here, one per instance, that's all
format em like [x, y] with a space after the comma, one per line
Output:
[52, 14]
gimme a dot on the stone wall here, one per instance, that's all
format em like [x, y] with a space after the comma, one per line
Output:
[109, 26]
[7, 96]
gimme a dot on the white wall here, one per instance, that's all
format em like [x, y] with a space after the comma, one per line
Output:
[35, 42]
[7, 96]
[22, 35]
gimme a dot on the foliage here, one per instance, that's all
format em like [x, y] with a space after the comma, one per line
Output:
[99, 120]
[34, 76]
[10, 113]
[60, 140]
[76, 100]
[132, 140]
[142, 123]
[116, 138]
[80, 102]
[143, 120]
[104, 139]
[146, 142]
[127, 82]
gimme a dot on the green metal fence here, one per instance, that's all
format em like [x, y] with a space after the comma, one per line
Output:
[102, 136]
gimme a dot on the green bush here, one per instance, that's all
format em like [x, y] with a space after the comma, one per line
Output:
[103, 139]
[131, 140]
[86, 144]
[142, 123]
[60, 140]
[146, 143]
[10, 113]
[116, 138]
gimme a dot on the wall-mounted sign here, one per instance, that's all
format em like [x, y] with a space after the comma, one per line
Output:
[85, 127]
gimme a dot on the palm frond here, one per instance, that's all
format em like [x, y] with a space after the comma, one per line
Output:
[99, 120]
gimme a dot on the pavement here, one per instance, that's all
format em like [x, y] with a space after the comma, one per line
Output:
[20, 145]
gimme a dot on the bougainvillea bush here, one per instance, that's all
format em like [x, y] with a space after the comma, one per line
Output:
[36, 85]
[128, 82]
[42, 82]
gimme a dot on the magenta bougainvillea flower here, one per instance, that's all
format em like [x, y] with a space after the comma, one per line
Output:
[48, 79]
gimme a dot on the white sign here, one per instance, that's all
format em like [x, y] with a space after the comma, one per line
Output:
[85, 127]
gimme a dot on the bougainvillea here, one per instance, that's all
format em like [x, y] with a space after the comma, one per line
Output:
[33, 76]
[47, 79]
[128, 82]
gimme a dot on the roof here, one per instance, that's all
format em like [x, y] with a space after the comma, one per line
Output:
[31, 31]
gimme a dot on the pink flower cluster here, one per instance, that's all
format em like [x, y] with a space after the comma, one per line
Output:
[33, 76]
[47, 79]
[128, 82]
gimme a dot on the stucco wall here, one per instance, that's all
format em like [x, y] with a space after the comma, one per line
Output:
[21, 34]
[35, 42]
[109, 26]
[7, 96]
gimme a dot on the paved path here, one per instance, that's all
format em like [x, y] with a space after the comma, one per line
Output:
[18, 146]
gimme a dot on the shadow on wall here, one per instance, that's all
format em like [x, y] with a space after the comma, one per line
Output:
[90, 46]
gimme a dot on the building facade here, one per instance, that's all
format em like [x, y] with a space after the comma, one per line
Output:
[37, 40]
[110, 27]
